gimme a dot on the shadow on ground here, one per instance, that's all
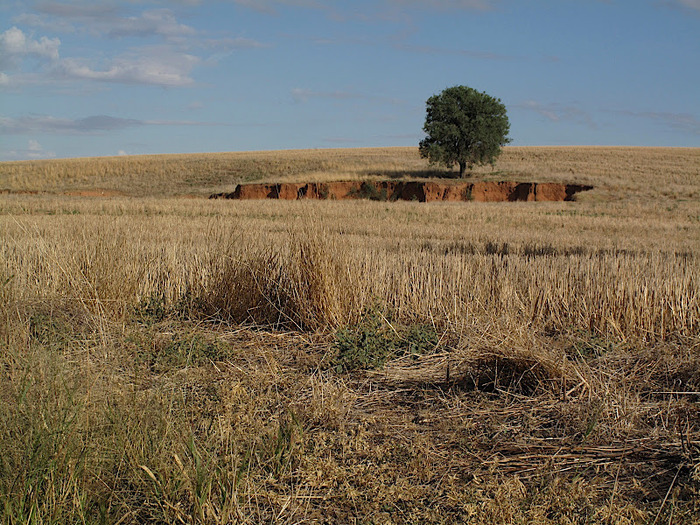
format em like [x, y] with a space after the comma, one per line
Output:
[413, 174]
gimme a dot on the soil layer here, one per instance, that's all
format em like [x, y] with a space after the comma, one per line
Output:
[409, 191]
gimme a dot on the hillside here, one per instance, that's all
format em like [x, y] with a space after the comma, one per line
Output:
[622, 172]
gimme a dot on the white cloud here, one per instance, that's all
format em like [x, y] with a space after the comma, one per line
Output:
[105, 20]
[474, 5]
[49, 124]
[221, 48]
[15, 46]
[89, 125]
[19, 52]
[555, 112]
[690, 4]
[160, 22]
[33, 151]
[79, 9]
[229, 44]
[270, 6]
[158, 66]
[37, 151]
[683, 122]
[122, 153]
[39, 21]
[546, 111]
[168, 64]
[687, 5]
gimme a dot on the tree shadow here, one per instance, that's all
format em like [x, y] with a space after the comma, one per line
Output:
[413, 174]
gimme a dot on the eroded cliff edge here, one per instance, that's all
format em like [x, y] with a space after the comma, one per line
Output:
[410, 191]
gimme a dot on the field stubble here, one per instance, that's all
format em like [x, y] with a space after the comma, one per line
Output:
[182, 360]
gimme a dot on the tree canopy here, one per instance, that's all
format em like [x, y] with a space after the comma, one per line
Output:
[464, 127]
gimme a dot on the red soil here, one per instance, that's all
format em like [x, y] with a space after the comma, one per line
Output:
[417, 191]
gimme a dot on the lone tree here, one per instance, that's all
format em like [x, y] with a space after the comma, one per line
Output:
[464, 127]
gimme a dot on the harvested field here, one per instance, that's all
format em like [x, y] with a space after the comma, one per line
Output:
[616, 172]
[308, 361]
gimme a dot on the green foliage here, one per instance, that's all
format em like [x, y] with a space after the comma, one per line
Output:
[46, 329]
[373, 341]
[151, 310]
[464, 127]
[282, 445]
[43, 450]
[589, 345]
[366, 345]
[155, 309]
[190, 350]
[57, 330]
[419, 339]
[370, 192]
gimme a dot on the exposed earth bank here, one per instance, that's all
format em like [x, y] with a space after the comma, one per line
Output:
[409, 191]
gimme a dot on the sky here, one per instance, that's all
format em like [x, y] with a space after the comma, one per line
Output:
[82, 78]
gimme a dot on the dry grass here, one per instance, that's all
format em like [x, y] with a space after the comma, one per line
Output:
[619, 173]
[175, 360]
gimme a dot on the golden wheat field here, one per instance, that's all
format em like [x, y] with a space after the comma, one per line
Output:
[166, 358]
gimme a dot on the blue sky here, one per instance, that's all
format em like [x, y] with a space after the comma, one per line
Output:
[94, 77]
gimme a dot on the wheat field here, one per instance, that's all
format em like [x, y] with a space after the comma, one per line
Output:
[184, 360]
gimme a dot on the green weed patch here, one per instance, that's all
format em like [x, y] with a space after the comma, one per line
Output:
[375, 340]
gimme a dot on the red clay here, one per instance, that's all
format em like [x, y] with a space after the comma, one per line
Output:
[416, 191]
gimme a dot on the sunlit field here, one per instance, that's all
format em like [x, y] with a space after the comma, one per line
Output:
[622, 172]
[184, 360]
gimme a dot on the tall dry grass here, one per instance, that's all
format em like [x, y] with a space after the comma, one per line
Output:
[299, 274]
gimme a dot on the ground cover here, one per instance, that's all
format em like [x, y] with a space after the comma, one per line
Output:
[209, 361]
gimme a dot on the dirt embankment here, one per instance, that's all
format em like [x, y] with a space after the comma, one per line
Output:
[409, 191]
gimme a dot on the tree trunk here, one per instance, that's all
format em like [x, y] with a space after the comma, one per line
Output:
[462, 169]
